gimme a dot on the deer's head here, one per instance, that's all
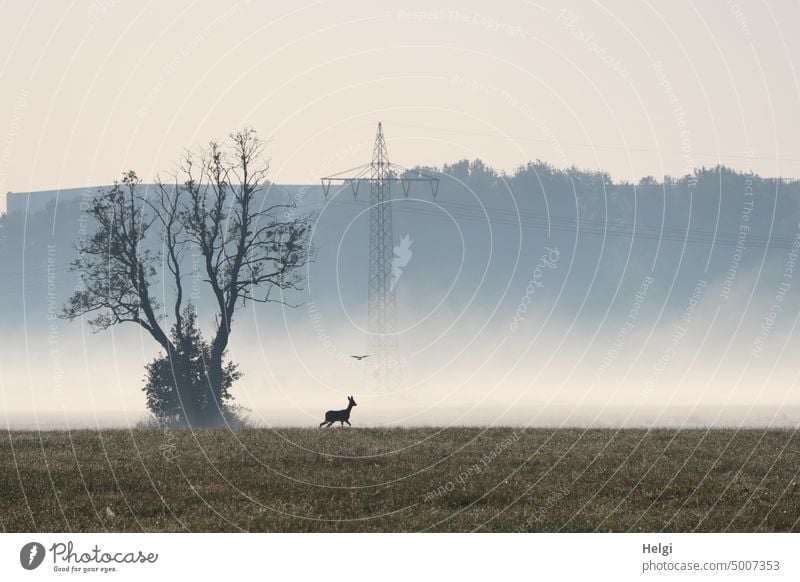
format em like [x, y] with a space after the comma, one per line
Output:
[351, 401]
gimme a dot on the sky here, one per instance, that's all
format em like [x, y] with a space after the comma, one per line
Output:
[90, 89]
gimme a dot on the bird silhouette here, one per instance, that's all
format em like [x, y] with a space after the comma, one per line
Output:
[360, 357]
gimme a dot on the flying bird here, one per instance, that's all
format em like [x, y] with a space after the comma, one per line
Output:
[360, 357]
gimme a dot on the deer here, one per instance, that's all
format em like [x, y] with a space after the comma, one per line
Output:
[341, 416]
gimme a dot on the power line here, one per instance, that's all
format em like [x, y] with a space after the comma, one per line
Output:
[721, 240]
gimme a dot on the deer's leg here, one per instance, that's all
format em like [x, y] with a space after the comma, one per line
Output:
[348, 423]
[321, 423]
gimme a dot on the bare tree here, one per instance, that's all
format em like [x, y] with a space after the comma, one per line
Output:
[251, 248]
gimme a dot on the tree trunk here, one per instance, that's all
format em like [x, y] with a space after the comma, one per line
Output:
[213, 396]
[187, 391]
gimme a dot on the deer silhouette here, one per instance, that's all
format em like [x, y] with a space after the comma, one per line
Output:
[339, 415]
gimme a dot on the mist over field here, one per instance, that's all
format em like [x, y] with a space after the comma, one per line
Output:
[543, 297]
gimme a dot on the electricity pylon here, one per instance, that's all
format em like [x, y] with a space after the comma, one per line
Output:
[384, 369]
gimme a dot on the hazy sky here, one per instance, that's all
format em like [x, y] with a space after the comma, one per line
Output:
[635, 88]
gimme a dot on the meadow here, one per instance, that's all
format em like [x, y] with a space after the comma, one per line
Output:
[400, 480]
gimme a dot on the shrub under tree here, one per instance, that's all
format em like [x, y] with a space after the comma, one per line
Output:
[176, 386]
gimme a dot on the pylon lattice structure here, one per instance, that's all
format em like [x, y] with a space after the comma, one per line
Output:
[384, 371]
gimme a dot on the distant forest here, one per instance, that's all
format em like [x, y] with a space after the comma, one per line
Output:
[688, 227]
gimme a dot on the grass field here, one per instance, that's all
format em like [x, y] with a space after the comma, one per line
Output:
[454, 479]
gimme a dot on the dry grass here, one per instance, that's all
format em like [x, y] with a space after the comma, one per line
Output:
[455, 479]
